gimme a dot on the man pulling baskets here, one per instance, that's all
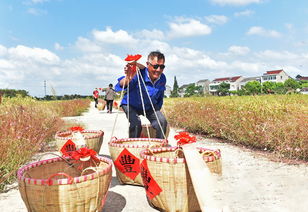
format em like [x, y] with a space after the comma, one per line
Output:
[144, 92]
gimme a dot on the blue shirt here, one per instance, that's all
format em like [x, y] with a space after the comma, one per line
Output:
[155, 89]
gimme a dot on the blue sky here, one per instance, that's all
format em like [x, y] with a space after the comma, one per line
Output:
[77, 45]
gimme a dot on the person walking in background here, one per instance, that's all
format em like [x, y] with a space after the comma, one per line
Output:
[110, 94]
[155, 85]
[95, 97]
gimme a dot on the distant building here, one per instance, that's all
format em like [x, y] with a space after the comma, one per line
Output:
[304, 91]
[248, 79]
[233, 81]
[168, 91]
[274, 76]
[205, 84]
[301, 78]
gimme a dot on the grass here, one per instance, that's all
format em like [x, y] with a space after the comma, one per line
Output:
[277, 123]
[26, 125]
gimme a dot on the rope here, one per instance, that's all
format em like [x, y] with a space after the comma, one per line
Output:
[142, 100]
[117, 114]
[147, 92]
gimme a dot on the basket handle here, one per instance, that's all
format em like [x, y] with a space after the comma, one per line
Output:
[177, 151]
[208, 153]
[49, 180]
[89, 168]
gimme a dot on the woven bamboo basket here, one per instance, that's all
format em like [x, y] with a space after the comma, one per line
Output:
[55, 185]
[134, 146]
[93, 138]
[152, 131]
[167, 167]
[101, 105]
[212, 159]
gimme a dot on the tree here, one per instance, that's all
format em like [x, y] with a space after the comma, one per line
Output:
[174, 92]
[279, 88]
[223, 89]
[193, 90]
[291, 84]
[252, 88]
[268, 87]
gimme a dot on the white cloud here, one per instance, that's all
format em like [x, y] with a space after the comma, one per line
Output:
[235, 2]
[3, 50]
[188, 28]
[5, 64]
[244, 13]
[239, 50]
[256, 30]
[114, 37]
[277, 55]
[217, 19]
[58, 46]
[37, 12]
[35, 54]
[151, 34]
[87, 45]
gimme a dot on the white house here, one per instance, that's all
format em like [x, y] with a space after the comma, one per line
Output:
[233, 81]
[274, 76]
[168, 91]
[205, 84]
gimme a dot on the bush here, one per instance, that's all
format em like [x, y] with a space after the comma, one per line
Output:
[26, 126]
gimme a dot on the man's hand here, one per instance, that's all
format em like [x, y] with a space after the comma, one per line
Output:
[130, 71]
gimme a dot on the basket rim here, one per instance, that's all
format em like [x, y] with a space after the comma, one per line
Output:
[212, 157]
[143, 155]
[63, 181]
[97, 134]
[116, 142]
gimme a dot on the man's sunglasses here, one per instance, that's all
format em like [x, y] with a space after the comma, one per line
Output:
[156, 66]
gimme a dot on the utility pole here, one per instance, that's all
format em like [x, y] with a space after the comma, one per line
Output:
[45, 88]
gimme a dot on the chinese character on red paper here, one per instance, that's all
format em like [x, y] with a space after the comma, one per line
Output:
[151, 187]
[128, 164]
[68, 148]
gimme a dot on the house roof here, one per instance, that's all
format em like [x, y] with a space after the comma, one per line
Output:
[232, 79]
[203, 80]
[186, 85]
[273, 72]
[303, 78]
[248, 79]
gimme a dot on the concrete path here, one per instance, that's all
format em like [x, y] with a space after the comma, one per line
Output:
[249, 183]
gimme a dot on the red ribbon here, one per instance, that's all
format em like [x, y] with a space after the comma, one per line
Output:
[184, 138]
[77, 128]
[83, 152]
[132, 58]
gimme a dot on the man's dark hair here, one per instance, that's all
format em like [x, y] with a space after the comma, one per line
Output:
[157, 54]
[110, 85]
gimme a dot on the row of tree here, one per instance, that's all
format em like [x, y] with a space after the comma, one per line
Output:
[23, 93]
[250, 88]
[13, 93]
